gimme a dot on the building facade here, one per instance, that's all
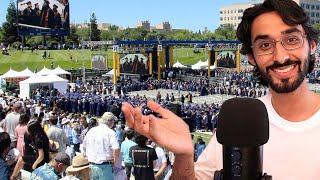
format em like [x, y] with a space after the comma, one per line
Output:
[233, 14]
[165, 26]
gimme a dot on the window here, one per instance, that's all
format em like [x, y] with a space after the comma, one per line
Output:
[317, 21]
[312, 7]
[312, 14]
[317, 7]
[232, 18]
[302, 5]
[225, 18]
[221, 19]
[307, 6]
[225, 12]
[317, 14]
[221, 12]
[239, 17]
[312, 21]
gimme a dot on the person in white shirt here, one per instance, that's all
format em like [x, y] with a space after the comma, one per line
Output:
[161, 162]
[101, 147]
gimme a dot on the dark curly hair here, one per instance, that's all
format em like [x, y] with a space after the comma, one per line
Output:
[290, 12]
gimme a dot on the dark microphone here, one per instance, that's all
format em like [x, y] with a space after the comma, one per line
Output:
[243, 127]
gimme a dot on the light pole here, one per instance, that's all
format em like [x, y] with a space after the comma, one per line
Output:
[83, 64]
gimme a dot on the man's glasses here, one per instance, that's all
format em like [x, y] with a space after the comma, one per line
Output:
[267, 46]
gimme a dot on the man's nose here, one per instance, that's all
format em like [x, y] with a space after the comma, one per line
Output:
[280, 53]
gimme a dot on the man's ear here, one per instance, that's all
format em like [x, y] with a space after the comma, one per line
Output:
[313, 47]
[251, 60]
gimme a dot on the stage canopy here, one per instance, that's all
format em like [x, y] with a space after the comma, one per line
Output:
[51, 82]
[60, 71]
[179, 65]
[200, 65]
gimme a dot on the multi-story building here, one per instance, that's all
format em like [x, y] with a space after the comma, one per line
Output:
[100, 26]
[165, 26]
[145, 24]
[233, 14]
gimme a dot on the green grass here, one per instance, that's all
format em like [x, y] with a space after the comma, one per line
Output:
[206, 137]
[20, 60]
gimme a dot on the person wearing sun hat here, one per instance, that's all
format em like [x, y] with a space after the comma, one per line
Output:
[79, 169]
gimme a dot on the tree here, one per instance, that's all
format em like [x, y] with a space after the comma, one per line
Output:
[83, 34]
[114, 28]
[226, 32]
[73, 37]
[9, 30]
[107, 35]
[95, 32]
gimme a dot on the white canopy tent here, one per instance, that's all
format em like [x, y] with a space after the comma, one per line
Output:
[179, 65]
[45, 71]
[110, 73]
[11, 73]
[16, 74]
[26, 73]
[60, 71]
[200, 65]
[36, 80]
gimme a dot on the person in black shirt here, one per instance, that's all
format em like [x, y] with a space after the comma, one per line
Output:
[37, 148]
[144, 159]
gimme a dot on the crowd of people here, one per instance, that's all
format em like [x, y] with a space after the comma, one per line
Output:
[54, 144]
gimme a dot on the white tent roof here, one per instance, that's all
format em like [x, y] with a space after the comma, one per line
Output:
[10, 74]
[45, 71]
[54, 78]
[60, 71]
[200, 65]
[178, 64]
[25, 73]
[36, 78]
[110, 73]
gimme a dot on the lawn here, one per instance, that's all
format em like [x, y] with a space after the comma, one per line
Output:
[19, 60]
[206, 137]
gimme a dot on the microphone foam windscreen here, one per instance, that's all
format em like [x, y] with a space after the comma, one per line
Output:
[243, 122]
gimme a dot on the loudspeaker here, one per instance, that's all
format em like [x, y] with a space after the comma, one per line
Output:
[175, 108]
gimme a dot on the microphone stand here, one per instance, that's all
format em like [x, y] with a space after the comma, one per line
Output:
[218, 175]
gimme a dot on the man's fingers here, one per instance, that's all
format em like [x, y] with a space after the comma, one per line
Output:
[159, 109]
[128, 112]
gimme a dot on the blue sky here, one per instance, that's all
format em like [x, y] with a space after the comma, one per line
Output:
[182, 14]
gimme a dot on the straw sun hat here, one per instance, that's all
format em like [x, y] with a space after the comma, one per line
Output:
[79, 162]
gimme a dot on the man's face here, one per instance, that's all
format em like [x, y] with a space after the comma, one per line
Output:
[283, 70]
[61, 168]
[83, 121]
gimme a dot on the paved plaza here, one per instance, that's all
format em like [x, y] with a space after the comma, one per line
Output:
[217, 98]
[151, 94]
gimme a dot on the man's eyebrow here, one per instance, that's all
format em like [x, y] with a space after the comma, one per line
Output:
[287, 31]
[291, 30]
[260, 37]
